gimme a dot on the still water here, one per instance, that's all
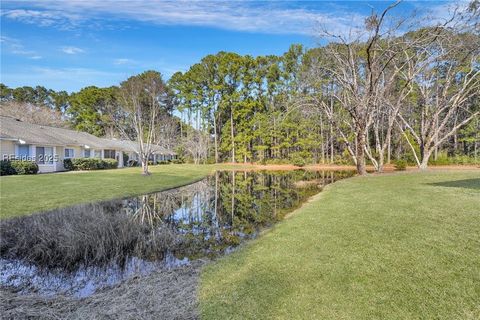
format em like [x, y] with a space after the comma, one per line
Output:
[83, 248]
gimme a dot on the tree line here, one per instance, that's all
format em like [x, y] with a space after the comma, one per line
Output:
[386, 91]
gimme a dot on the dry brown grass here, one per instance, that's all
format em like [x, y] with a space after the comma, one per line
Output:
[166, 294]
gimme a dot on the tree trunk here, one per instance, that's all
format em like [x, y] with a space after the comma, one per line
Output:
[233, 136]
[389, 149]
[425, 156]
[215, 138]
[360, 153]
[145, 167]
[380, 163]
[331, 145]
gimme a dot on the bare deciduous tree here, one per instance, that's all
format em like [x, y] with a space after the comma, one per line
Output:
[364, 82]
[142, 97]
[169, 132]
[32, 113]
[446, 83]
[363, 68]
[196, 145]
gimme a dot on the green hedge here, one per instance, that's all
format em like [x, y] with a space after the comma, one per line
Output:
[89, 164]
[11, 167]
[6, 168]
[68, 164]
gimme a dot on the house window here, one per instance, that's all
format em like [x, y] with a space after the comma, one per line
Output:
[69, 153]
[86, 153]
[44, 155]
[23, 152]
[109, 154]
[98, 153]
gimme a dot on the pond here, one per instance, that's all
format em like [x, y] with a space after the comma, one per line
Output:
[80, 249]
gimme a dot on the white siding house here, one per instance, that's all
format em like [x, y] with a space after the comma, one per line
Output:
[49, 146]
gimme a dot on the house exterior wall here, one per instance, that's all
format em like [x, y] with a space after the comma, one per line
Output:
[119, 158]
[60, 151]
[47, 167]
[7, 148]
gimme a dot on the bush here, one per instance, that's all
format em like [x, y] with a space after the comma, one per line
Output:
[400, 165]
[163, 162]
[109, 164]
[444, 159]
[298, 161]
[93, 164]
[68, 164]
[277, 161]
[6, 168]
[177, 161]
[24, 167]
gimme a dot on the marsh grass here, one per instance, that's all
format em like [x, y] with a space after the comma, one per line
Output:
[83, 235]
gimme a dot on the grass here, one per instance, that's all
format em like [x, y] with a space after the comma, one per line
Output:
[395, 246]
[26, 194]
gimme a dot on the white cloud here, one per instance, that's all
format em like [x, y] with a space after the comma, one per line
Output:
[252, 16]
[265, 17]
[72, 50]
[123, 61]
[16, 47]
[43, 18]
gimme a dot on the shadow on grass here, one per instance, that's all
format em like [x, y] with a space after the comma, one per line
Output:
[466, 183]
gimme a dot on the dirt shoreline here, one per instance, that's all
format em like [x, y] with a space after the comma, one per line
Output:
[387, 168]
[165, 294]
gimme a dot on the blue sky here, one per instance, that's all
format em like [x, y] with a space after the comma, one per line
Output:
[67, 45]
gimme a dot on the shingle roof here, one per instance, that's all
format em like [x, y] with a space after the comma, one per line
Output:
[14, 129]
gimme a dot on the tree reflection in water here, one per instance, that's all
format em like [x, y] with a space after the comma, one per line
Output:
[121, 238]
[215, 214]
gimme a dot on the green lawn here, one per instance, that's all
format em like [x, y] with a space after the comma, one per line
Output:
[395, 246]
[30, 193]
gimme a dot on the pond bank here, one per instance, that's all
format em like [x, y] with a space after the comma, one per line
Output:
[60, 261]
[382, 246]
[22, 195]
[387, 168]
[161, 295]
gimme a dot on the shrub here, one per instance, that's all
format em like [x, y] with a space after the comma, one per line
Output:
[276, 161]
[400, 165]
[93, 164]
[177, 161]
[343, 159]
[444, 159]
[298, 161]
[24, 167]
[163, 162]
[109, 164]
[68, 164]
[6, 168]
[210, 160]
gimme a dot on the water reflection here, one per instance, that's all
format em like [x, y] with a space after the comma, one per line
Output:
[81, 248]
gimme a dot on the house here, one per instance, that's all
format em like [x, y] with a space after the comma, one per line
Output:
[158, 153]
[49, 146]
